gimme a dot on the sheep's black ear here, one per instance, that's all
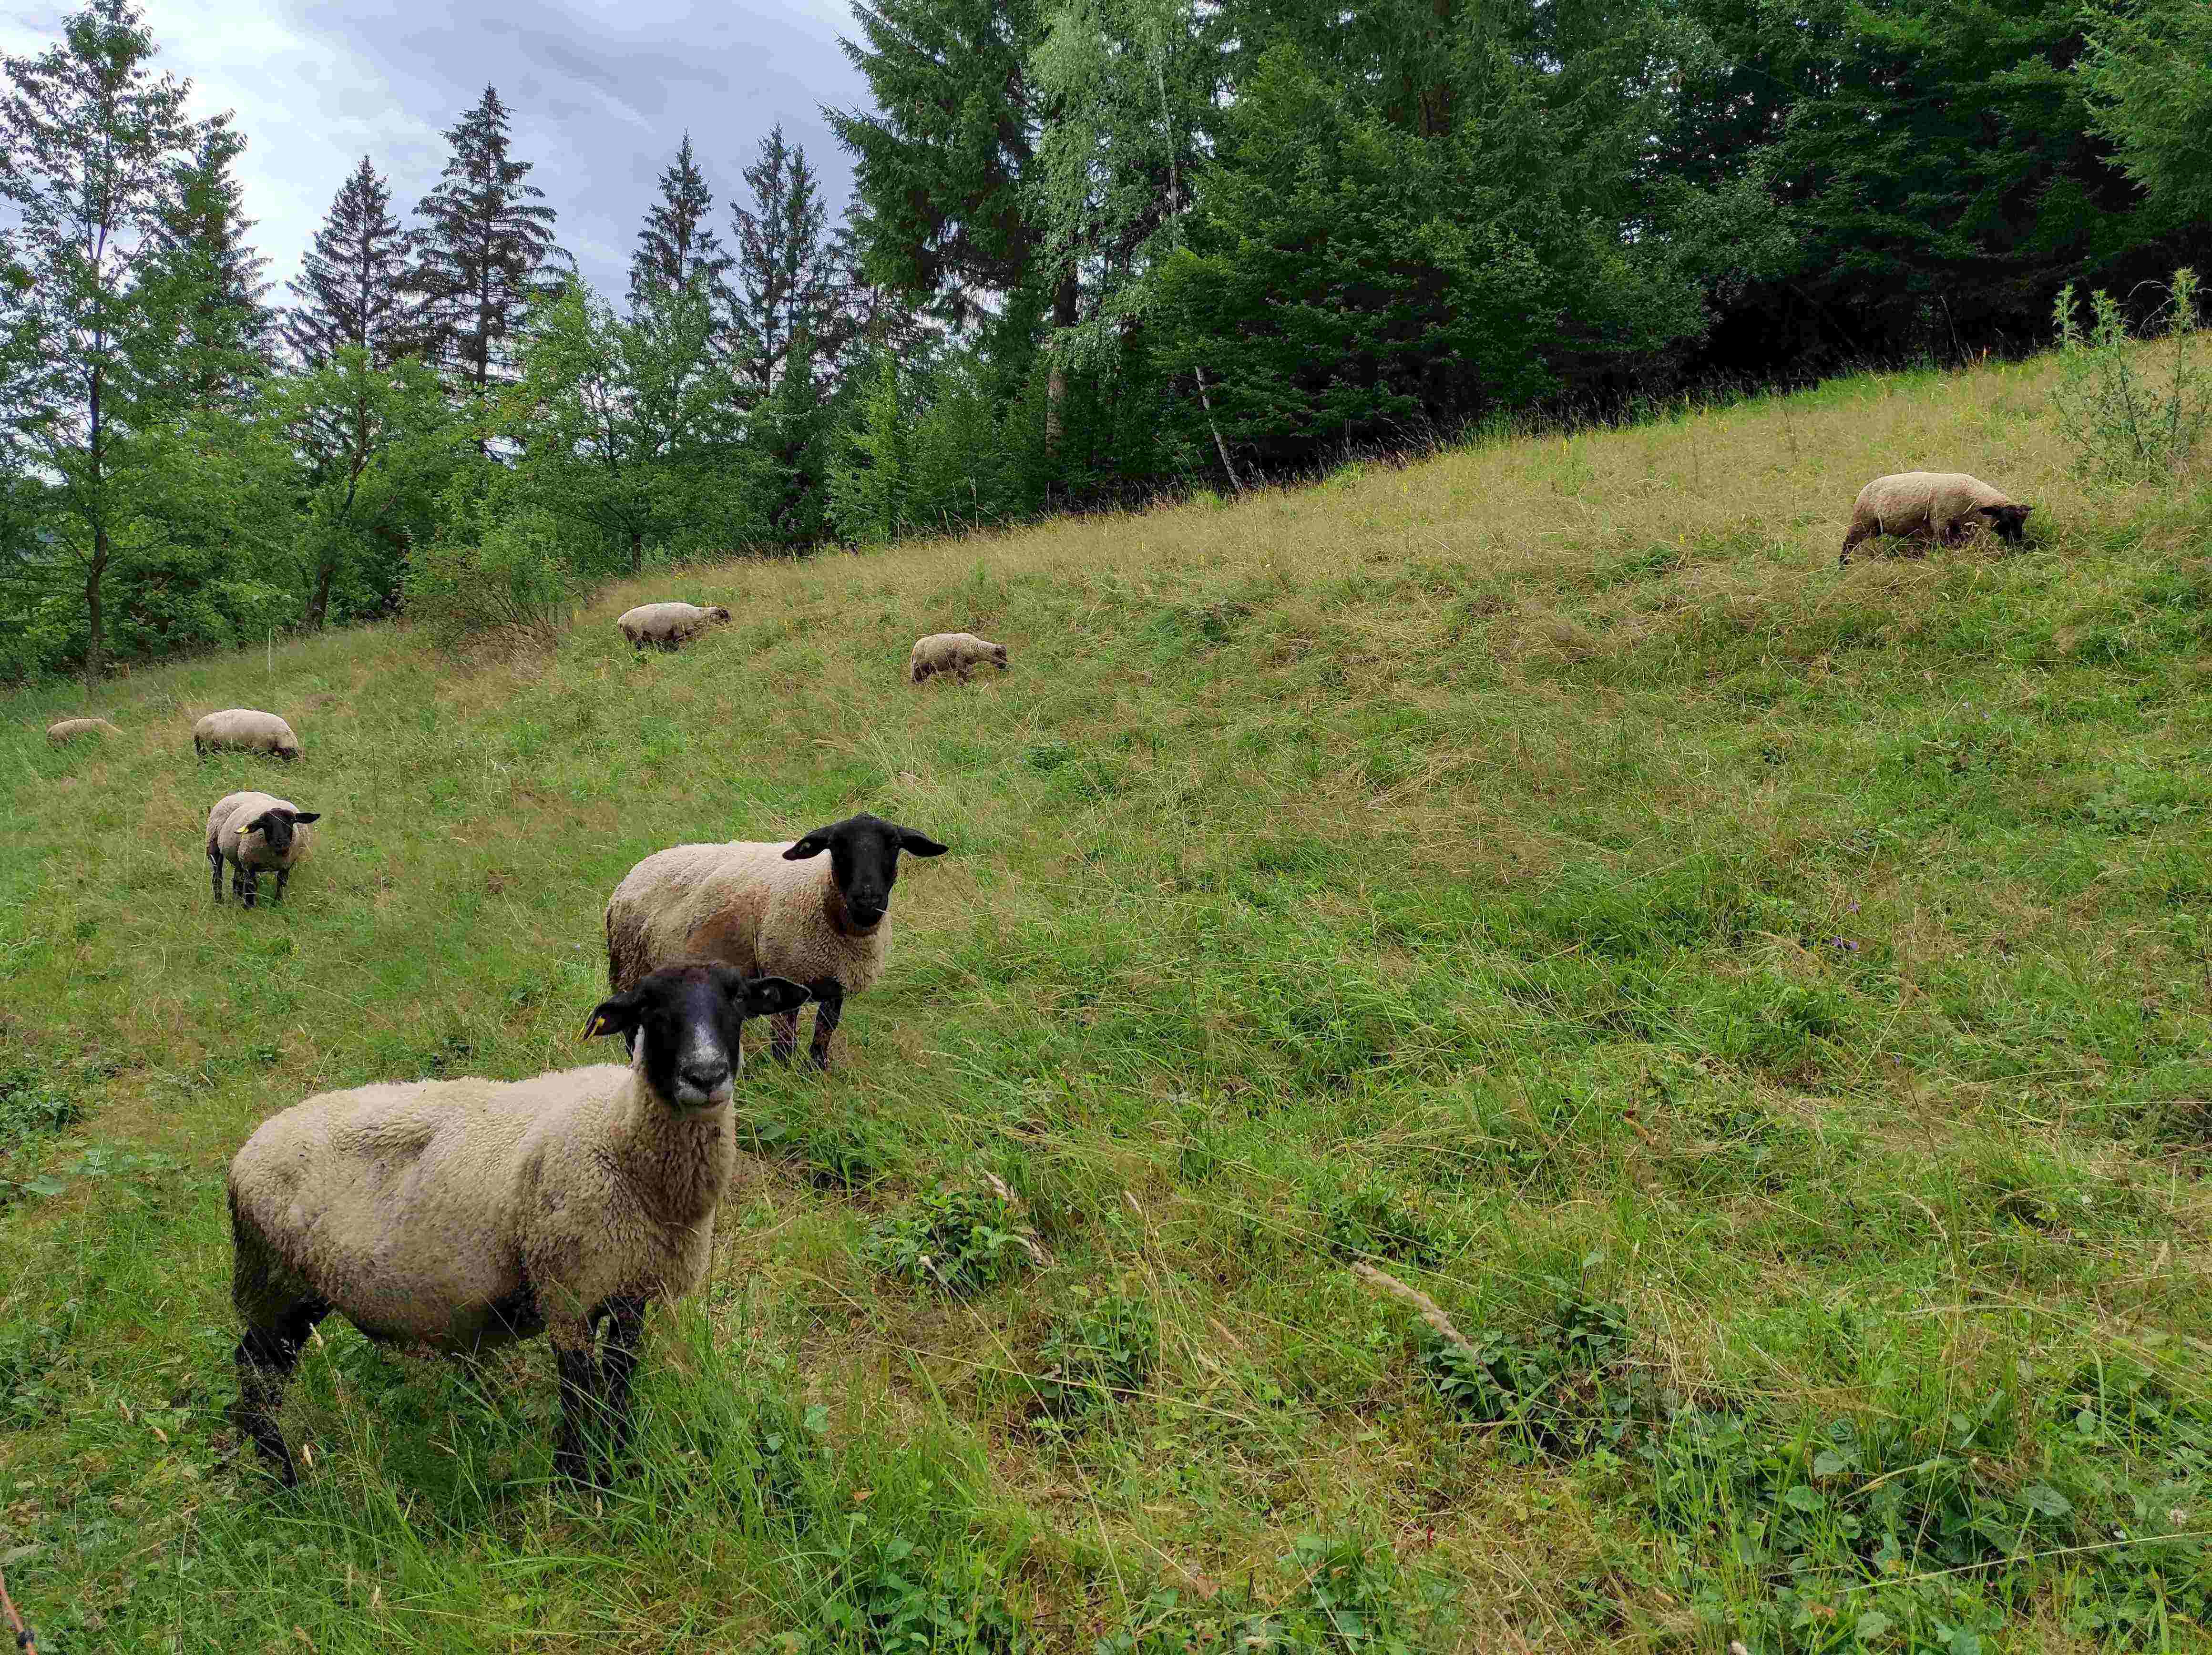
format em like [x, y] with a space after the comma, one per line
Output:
[812, 844]
[302, 817]
[915, 844]
[617, 1016]
[765, 996]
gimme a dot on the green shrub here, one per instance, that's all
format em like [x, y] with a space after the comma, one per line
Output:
[1098, 1356]
[2131, 414]
[961, 1239]
[514, 588]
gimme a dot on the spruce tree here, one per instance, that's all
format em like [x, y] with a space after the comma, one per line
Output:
[943, 159]
[483, 249]
[785, 282]
[350, 287]
[208, 277]
[677, 245]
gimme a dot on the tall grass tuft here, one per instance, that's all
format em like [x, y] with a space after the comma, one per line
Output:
[2131, 414]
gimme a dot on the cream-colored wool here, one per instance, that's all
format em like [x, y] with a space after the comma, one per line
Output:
[668, 624]
[744, 904]
[243, 727]
[230, 838]
[956, 652]
[1941, 505]
[69, 729]
[424, 1210]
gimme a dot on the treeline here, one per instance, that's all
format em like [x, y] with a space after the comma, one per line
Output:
[1096, 247]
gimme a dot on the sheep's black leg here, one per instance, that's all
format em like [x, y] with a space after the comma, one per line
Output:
[265, 1358]
[215, 873]
[626, 1329]
[783, 1036]
[284, 878]
[579, 1400]
[246, 886]
[829, 1007]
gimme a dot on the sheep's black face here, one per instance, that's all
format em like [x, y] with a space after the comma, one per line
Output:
[864, 852]
[999, 655]
[685, 1022]
[277, 827]
[2009, 521]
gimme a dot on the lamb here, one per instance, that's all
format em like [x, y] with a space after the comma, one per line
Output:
[462, 1214]
[243, 728]
[826, 926]
[68, 730]
[256, 833]
[668, 625]
[1945, 506]
[956, 652]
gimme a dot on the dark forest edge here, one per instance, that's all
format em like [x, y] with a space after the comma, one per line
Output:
[1097, 255]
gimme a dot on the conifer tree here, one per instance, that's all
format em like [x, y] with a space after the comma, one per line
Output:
[785, 282]
[483, 249]
[209, 278]
[677, 245]
[942, 160]
[350, 288]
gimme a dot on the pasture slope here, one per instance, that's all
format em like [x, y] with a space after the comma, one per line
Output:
[1766, 1005]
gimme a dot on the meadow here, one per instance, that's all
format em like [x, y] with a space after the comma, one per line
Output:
[1765, 1005]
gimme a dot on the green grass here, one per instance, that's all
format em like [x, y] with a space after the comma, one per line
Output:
[1765, 1005]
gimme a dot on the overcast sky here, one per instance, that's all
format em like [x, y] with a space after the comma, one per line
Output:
[599, 94]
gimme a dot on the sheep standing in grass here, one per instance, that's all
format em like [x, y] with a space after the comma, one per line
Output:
[668, 625]
[243, 728]
[256, 833]
[462, 1214]
[783, 909]
[958, 652]
[68, 730]
[1945, 506]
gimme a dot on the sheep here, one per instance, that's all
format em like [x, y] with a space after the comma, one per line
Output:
[668, 625]
[827, 926]
[256, 833]
[242, 727]
[1942, 506]
[956, 652]
[68, 730]
[462, 1214]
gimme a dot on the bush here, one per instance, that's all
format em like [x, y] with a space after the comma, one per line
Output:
[513, 588]
[964, 1240]
[2131, 414]
[1098, 1356]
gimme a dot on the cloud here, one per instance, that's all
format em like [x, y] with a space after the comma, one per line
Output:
[598, 95]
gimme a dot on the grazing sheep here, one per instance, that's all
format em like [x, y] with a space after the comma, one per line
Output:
[243, 728]
[827, 925]
[69, 729]
[668, 625]
[462, 1214]
[256, 833]
[956, 652]
[1945, 506]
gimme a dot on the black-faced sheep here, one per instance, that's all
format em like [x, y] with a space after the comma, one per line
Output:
[668, 625]
[244, 728]
[770, 910]
[956, 652]
[68, 730]
[462, 1214]
[1945, 506]
[256, 833]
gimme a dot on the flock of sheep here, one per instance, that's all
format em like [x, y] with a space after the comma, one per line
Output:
[461, 1214]
[456, 1215]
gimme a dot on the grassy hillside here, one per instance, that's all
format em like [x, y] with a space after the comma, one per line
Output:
[1765, 1005]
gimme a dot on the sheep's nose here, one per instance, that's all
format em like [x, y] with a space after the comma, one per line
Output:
[706, 1079]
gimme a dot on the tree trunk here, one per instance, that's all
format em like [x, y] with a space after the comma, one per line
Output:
[637, 552]
[1235, 482]
[318, 605]
[1055, 385]
[95, 647]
